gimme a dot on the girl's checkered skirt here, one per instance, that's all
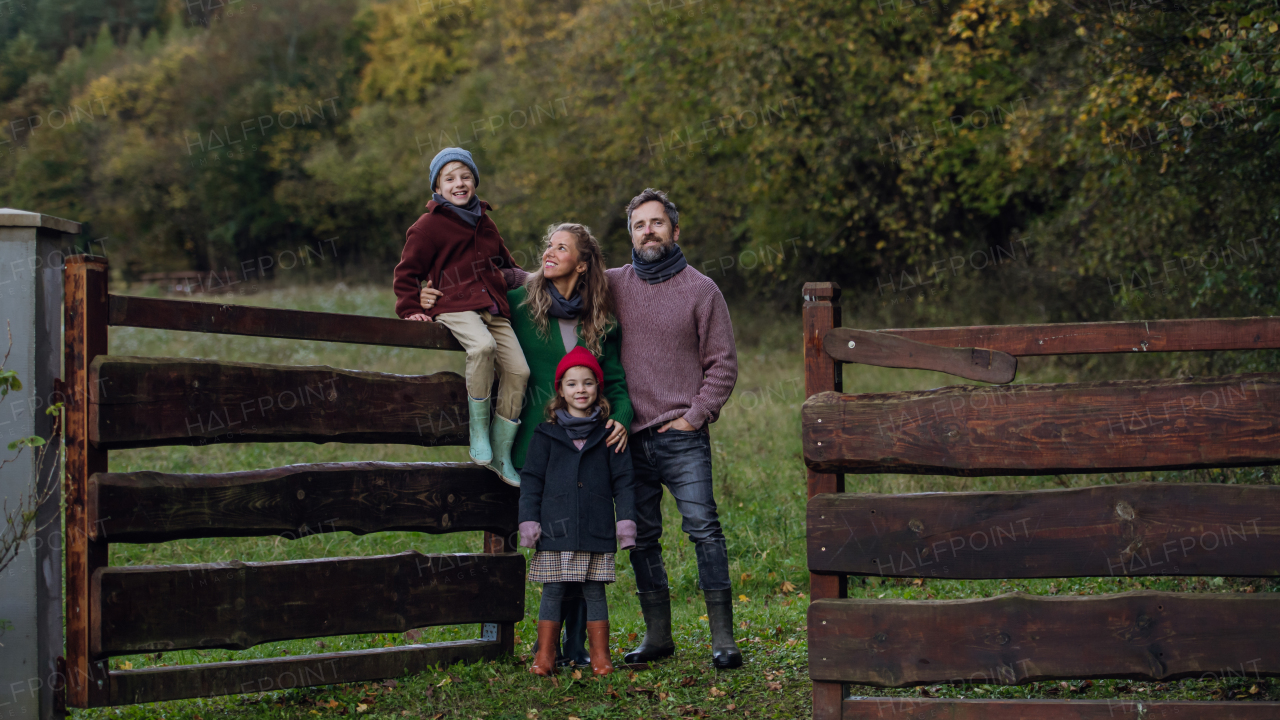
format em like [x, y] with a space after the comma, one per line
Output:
[571, 566]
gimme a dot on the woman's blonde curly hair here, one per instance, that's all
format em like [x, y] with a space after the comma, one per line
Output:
[593, 286]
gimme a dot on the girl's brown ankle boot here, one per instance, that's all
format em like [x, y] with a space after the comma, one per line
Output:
[598, 637]
[544, 662]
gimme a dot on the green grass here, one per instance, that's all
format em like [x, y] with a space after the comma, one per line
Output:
[760, 487]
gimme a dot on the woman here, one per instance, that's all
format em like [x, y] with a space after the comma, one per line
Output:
[565, 303]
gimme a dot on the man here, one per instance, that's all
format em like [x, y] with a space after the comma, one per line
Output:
[681, 364]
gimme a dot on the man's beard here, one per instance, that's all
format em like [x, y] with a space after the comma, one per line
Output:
[653, 254]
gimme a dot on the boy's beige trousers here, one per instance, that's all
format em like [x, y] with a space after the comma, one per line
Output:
[489, 341]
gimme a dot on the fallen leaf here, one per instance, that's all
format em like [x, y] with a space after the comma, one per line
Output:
[743, 624]
[731, 706]
[126, 665]
[577, 674]
[746, 577]
[389, 683]
[444, 682]
[320, 644]
[631, 637]
[413, 635]
[773, 686]
[787, 587]
[688, 681]
[717, 692]
[743, 598]
[704, 617]
[361, 707]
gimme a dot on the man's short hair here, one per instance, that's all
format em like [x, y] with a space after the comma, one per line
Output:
[649, 195]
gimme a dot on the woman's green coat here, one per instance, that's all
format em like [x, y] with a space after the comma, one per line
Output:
[543, 354]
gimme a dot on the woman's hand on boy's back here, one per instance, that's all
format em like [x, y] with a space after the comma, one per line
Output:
[427, 299]
[617, 434]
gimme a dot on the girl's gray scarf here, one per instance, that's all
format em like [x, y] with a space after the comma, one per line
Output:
[662, 269]
[469, 213]
[578, 428]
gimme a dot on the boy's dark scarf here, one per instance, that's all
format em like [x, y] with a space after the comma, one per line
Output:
[469, 213]
[576, 427]
[662, 269]
[561, 308]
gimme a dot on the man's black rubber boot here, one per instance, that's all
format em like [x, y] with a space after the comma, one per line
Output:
[573, 610]
[657, 642]
[724, 651]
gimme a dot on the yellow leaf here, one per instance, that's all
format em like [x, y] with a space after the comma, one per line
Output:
[577, 674]
[126, 665]
[704, 617]
[1273, 27]
[787, 587]
[743, 598]
[361, 707]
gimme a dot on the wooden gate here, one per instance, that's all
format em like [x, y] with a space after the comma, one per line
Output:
[1104, 531]
[131, 402]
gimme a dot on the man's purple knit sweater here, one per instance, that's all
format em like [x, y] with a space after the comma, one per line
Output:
[677, 345]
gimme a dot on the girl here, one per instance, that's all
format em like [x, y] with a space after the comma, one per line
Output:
[570, 484]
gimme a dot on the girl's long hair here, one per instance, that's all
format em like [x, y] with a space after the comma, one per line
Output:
[593, 286]
[559, 403]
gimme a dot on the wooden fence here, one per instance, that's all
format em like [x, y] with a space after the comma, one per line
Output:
[1117, 530]
[130, 402]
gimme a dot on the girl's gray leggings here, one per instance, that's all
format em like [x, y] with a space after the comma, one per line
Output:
[553, 594]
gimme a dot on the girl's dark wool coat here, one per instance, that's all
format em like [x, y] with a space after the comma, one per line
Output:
[573, 493]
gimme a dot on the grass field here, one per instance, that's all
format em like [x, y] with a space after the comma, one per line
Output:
[760, 487]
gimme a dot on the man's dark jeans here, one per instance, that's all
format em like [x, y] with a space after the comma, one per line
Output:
[681, 461]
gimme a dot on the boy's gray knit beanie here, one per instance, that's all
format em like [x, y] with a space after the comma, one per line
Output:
[448, 155]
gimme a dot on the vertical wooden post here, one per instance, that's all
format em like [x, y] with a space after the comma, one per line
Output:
[823, 373]
[85, 326]
[32, 248]
[494, 543]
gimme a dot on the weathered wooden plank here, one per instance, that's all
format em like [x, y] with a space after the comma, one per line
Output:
[1019, 638]
[1110, 530]
[144, 402]
[1255, 333]
[128, 687]
[228, 319]
[85, 328]
[822, 373]
[1138, 708]
[886, 350]
[300, 500]
[1047, 429]
[238, 605]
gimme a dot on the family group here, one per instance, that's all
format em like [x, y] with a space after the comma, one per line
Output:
[607, 381]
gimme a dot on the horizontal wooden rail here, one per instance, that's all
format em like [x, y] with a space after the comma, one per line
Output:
[1131, 708]
[145, 402]
[1019, 638]
[1255, 333]
[301, 500]
[1091, 427]
[238, 605]
[885, 350]
[276, 323]
[129, 687]
[1110, 530]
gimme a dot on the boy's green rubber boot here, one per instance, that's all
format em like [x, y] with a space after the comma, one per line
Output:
[478, 410]
[503, 436]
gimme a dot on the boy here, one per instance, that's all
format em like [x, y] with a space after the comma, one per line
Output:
[456, 245]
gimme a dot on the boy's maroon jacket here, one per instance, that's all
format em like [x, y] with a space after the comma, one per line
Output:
[465, 262]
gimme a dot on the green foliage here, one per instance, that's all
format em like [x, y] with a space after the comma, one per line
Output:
[817, 139]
